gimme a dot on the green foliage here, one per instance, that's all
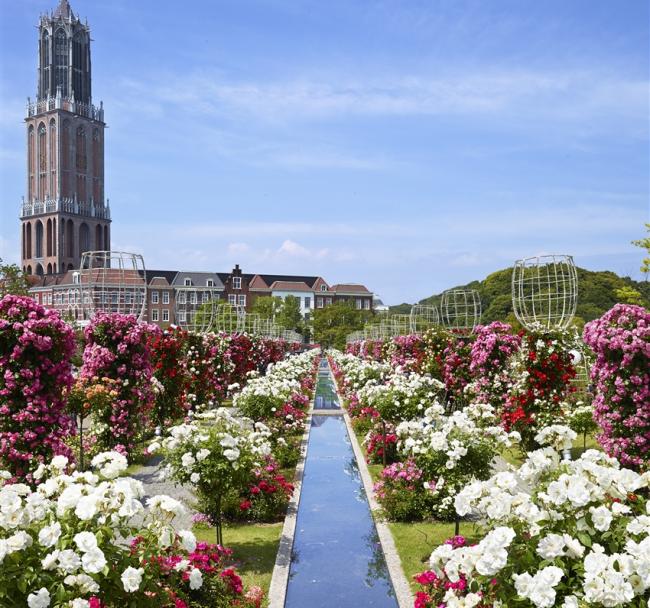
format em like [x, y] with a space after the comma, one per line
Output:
[267, 307]
[289, 316]
[597, 294]
[628, 295]
[12, 280]
[644, 243]
[332, 324]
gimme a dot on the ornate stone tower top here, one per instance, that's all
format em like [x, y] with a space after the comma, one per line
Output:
[64, 213]
[64, 56]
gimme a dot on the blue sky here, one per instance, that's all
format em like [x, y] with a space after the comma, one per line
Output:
[409, 145]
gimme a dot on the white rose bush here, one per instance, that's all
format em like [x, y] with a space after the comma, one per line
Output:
[73, 541]
[556, 533]
[215, 453]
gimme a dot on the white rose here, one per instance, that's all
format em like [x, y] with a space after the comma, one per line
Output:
[195, 477]
[182, 565]
[59, 462]
[85, 541]
[18, 541]
[202, 454]
[69, 561]
[50, 560]
[188, 460]
[231, 454]
[188, 540]
[49, 535]
[601, 518]
[196, 579]
[131, 579]
[40, 599]
[79, 603]
[93, 562]
[551, 546]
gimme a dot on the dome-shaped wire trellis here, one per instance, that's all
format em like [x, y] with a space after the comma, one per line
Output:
[423, 317]
[401, 325]
[195, 308]
[228, 318]
[113, 282]
[460, 310]
[545, 291]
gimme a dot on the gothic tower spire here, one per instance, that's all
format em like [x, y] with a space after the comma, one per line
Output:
[64, 213]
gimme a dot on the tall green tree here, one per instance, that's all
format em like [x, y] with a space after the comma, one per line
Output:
[289, 316]
[628, 295]
[267, 307]
[12, 280]
[333, 323]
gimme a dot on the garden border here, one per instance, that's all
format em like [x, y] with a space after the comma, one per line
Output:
[403, 594]
[280, 576]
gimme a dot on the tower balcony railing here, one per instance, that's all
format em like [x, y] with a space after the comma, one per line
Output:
[58, 102]
[66, 205]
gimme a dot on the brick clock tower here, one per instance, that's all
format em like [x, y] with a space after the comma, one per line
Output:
[64, 213]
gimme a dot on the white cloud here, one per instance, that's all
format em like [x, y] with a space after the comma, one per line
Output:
[293, 249]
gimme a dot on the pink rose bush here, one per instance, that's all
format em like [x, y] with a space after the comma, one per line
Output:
[118, 348]
[621, 342]
[491, 350]
[35, 351]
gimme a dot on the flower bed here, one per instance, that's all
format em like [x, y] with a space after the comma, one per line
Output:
[65, 544]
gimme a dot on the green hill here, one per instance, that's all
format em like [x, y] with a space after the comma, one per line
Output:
[596, 294]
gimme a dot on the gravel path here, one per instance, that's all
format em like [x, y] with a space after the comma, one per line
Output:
[148, 475]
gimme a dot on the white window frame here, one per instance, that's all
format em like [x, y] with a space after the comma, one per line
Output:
[359, 303]
[165, 315]
[307, 302]
[154, 315]
[205, 297]
[328, 301]
[187, 282]
[232, 299]
[181, 316]
[209, 283]
[320, 302]
[165, 297]
[242, 300]
[193, 298]
[155, 297]
[366, 304]
[323, 287]
[236, 282]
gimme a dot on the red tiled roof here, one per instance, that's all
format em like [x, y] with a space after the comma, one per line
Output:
[350, 288]
[290, 286]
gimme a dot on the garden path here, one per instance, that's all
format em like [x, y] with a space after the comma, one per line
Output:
[149, 473]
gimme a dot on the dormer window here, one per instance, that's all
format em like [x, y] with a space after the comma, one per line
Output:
[323, 287]
[188, 282]
[209, 283]
[75, 278]
[236, 282]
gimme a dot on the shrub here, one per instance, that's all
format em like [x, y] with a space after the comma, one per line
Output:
[35, 351]
[621, 341]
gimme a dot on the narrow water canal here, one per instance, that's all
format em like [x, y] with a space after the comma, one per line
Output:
[337, 560]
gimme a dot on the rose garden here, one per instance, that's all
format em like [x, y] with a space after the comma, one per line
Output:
[505, 475]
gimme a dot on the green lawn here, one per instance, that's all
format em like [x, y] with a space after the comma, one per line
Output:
[254, 549]
[415, 542]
